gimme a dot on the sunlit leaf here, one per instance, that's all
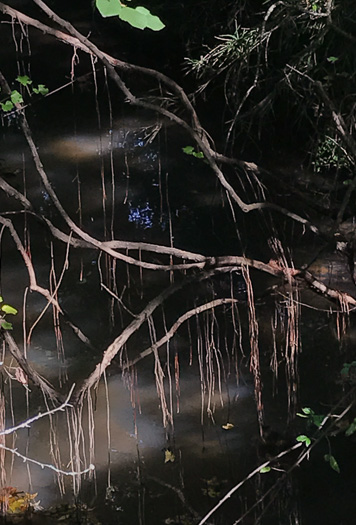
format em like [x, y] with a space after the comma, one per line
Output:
[7, 106]
[138, 17]
[14, 502]
[1, 299]
[188, 150]
[304, 439]
[332, 462]
[41, 90]
[24, 80]
[264, 470]
[332, 59]
[141, 18]
[169, 456]
[228, 426]
[8, 309]
[16, 97]
[108, 7]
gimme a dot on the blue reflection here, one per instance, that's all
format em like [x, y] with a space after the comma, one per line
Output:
[142, 216]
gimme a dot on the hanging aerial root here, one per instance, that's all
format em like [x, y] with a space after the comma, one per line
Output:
[255, 352]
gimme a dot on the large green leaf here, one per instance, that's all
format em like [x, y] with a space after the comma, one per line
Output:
[108, 7]
[138, 17]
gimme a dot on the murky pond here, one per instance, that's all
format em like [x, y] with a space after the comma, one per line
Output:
[170, 429]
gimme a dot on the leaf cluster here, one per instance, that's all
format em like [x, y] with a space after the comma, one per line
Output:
[16, 97]
[6, 309]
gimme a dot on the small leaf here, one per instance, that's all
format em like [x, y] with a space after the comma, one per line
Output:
[351, 429]
[332, 59]
[5, 325]
[41, 90]
[24, 80]
[332, 462]
[304, 439]
[264, 470]
[1, 299]
[8, 309]
[228, 426]
[16, 97]
[188, 150]
[169, 456]
[7, 106]
[198, 154]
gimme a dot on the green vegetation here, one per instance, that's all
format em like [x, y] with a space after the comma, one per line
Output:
[16, 97]
[6, 309]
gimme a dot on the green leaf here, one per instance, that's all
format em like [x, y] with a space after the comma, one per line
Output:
[24, 80]
[264, 470]
[332, 59]
[140, 17]
[198, 154]
[5, 325]
[332, 462]
[188, 150]
[16, 97]
[304, 439]
[1, 299]
[7, 106]
[108, 7]
[9, 309]
[41, 90]
[351, 429]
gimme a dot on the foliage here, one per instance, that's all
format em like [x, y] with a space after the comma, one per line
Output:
[265, 470]
[14, 502]
[138, 17]
[4, 310]
[330, 154]
[332, 462]
[190, 150]
[232, 47]
[304, 439]
[270, 65]
[315, 419]
[17, 98]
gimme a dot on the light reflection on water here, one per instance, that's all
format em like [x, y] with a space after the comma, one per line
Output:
[140, 429]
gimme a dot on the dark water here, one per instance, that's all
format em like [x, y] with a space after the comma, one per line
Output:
[136, 184]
